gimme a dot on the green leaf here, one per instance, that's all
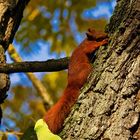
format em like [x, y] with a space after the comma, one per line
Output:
[29, 134]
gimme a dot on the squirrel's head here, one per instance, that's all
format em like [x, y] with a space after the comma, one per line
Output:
[92, 34]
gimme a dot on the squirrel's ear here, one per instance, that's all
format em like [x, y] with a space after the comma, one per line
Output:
[90, 34]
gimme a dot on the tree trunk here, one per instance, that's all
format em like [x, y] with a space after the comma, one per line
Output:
[109, 105]
[10, 17]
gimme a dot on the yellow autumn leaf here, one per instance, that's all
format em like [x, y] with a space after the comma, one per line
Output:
[33, 14]
[52, 79]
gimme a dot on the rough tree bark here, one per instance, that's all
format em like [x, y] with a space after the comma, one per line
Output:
[109, 105]
[10, 17]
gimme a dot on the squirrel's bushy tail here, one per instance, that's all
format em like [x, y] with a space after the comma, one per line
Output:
[56, 115]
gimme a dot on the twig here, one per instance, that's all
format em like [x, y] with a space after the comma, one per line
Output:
[11, 132]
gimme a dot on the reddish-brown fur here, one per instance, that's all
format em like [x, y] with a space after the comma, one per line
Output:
[79, 69]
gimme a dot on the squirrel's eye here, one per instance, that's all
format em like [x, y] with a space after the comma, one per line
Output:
[99, 39]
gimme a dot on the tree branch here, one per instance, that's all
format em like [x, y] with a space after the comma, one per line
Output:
[36, 66]
[13, 14]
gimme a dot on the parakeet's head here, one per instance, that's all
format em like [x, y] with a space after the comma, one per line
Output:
[41, 124]
[43, 132]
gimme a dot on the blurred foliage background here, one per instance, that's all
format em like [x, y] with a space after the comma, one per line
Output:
[49, 29]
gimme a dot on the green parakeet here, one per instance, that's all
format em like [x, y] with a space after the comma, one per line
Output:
[43, 132]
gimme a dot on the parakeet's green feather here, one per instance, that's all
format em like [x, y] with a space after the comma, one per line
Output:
[43, 132]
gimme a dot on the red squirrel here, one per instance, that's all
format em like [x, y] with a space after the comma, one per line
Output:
[78, 71]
